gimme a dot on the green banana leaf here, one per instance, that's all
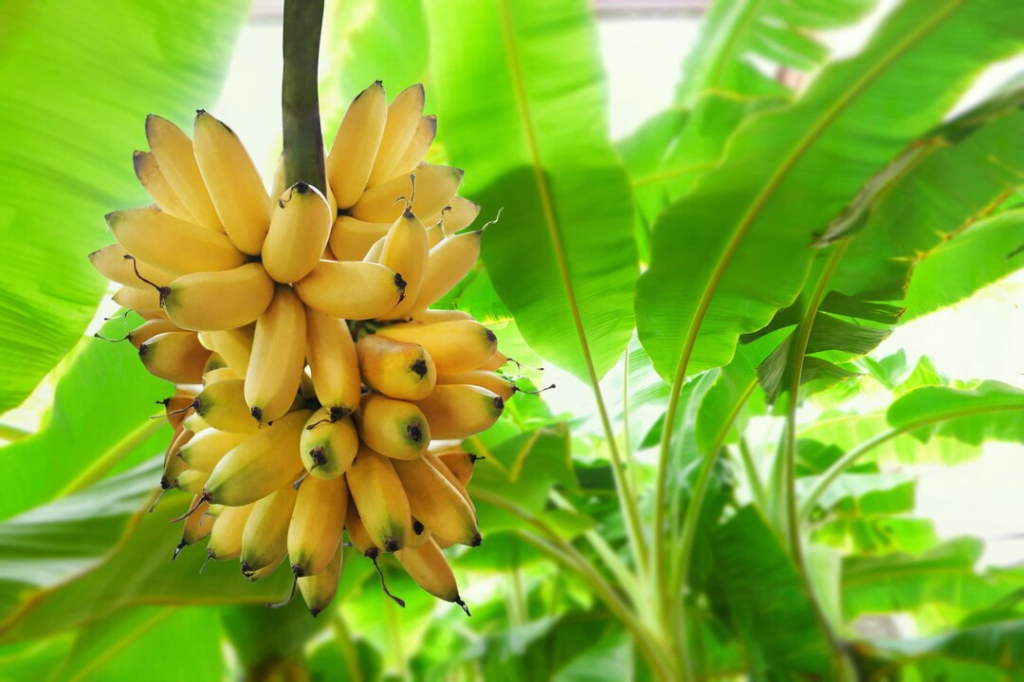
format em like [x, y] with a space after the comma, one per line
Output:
[996, 651]
[519, 88]
[735, 250]
[79, 79]
[990, 411]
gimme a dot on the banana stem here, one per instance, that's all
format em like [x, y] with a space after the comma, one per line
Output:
[300, 104]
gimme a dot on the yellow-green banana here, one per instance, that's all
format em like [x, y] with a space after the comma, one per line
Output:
[380, 499]
[234, 345]
[172, 244]
[208, 447]
[333, 363]
[405, 251]
[460, 410]
[395, 368]
[455, 346]
[427, 565]
[351, 290]
[278, 354]
[492, 381]
[198, 525]
[222, 405]
[215, 301]
[265, 539]
[436, 503]
[394, 428]
[110, 262]
[318, 590]
[314, 532]
[226, 537]
[175, 356]
[328, 446]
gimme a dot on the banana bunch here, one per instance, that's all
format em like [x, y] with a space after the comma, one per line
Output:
[318, 392]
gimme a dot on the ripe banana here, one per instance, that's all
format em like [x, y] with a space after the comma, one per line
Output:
[436, 503]
[427, 565]
[213, 363]
[298, 233]
[148, 329]
[496, 362]
[480, 377]
[435, 316]
[352, 290]
[355, 146]
[333, 363]
[234, 345]
[212, 376]
[110, 262]
[393, 428]
[265, 539]
[405, 251]
[207, 448]
[142, 301]
[421, 140]
[395, 368]
[314, 532]
[380, 499]
[435, 186]
[226, 537]
[352, 238]
[357, 534]
[192, 481]
[373, 255]
[222, 406]
[176, 406]
[455, 346]
[175, 356]
[278, 351]
[234, 184]
[173, 464]
[460, 464]
[197, 525]
[172, 244]
[147, 170]
[260, 465]
[456, 216]
[215, 301]
[403, 116]
[448, 263]
[175, 156]
[328, 447]
[459, 410]
[460, 485]
[318, 590]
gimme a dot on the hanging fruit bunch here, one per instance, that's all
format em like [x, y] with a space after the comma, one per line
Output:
[318, 392]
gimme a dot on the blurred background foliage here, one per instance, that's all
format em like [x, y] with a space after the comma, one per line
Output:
[723, 486]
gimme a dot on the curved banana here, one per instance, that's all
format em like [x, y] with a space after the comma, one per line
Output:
[318, 520]
[456, 216]
[435, 316]
[265, 538]
[492, 381]
[436, 503]
[110, 262]
[352, 290]
[421, 140]
[333, 363]
[198, 525]
[222, 406]
[216, 301]
[435, 461]
[234, 345]
[327, 446]
[435, 187]
[355, 145]
[393, 428]
[298, 234]
[147, 170]
[351, 238]
[219, 374]
[226, 537]
[459, 411]
[278, 355]
[260, 465]
[175, 356]
[318, 590]
[192, 481]
[172, 244]
[461, 464]
[142, 301]
[380, 499]
[455, 346]
[405, 251]
[403, 117]
[174, 465]
[495, 362]
[208, 447]
[448, 263]
[427, 565]
[148, 329]
[176, 405]
[177, 161]
[357, 534]
[395, 368]
[234, 184]
[373, 255]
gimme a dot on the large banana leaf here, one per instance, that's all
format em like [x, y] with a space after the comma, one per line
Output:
[990, 411]
[519, 88]
[79, 79]
[735, 250]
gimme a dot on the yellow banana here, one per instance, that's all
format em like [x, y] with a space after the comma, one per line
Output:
[355, 146]
[234, 184]
[397, 369]
[492, 381]
[435, 316]
[172, 244]
[175, 356]
[421, 140]
[380, 499]
[405, 251]
[436, 503]
[110, 262]
[460, 464]
[457, 483]
[403, 116]
[207, 448]
[197, 526]
[435, 187]
[219, 374]
[195, 423]
[177, 405]
[427, 565]
[357, 534]
[314, 532]
[213, 363]
[495, 362]
[226, 537]
[352, 238]
[374, 254]
[455, 346]
[148, 172]
[234, 345]
[393, 428]
[333, 363]
[260, 465]
[215, 301]
[328, 447]
[148, 329]
[278, 354]
[265, 539]
[142, 301]
[176, 158]
[352, 290]
[448, 263]
[222, 406]
[456, 216]
[460, 410]
[298, 233]
[192, 481]
[174, 465]
[318, 590]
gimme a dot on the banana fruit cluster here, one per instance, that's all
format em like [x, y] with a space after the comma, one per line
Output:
[318, 392]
